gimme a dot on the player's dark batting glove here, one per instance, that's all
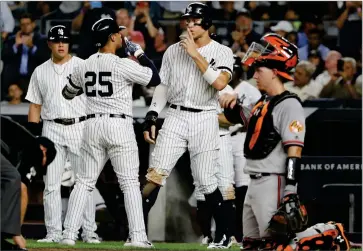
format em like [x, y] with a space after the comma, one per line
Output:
[150, 120]
[133, 49]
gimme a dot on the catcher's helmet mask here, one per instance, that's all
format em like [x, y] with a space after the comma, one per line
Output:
[59, 33]
[275, 52]
[199, 10]
[103, 29]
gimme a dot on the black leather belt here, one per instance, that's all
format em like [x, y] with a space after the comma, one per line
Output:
[70, 121]
[183, 108]
[123, 116]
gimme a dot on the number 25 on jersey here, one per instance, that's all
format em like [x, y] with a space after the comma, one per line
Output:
[103, 80]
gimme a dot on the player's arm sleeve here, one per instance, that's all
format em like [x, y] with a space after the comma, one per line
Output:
[133, 72]
[289, 122]
[159, 98]
[225, 62]
[73, 87]
[34, 94]
[155, 78]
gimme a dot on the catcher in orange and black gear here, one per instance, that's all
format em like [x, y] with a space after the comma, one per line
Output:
[275, 125]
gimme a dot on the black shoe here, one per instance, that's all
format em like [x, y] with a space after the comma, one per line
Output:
[5, 245]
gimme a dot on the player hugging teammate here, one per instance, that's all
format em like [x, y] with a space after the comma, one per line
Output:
[273, 217]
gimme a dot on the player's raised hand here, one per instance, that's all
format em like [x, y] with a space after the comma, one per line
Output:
[133, 49]
[228, 100]
[188, 44]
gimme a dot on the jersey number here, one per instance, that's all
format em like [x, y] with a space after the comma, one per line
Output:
[91, 92]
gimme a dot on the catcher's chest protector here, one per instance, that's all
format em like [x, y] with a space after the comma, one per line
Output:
[261, 137]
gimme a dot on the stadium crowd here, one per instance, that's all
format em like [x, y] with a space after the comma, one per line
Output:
[329, 39]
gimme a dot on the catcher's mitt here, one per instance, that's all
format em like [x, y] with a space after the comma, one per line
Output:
[289, 219]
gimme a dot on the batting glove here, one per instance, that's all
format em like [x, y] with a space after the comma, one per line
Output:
[133, 49]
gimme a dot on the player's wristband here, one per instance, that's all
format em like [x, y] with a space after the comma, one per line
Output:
[292, 170]
[211, 74]
[138, 53]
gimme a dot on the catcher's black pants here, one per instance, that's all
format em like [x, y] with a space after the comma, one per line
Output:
[10, 199]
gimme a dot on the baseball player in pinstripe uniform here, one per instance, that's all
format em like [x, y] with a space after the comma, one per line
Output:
[225, 178]
[107, 82]
[62, 123]
[192, 73]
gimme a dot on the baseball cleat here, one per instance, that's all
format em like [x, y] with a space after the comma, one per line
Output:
[48, 239]
[225, 243]
[139, 244]
[92, 240]
[68, 242]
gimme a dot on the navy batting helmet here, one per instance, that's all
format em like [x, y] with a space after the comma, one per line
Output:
[102, 29]
[199, 10]
[59, 33]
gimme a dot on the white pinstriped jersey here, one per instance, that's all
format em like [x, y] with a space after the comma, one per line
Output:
[45, 88]
[107, 82]
[187, 87]
[223, 130]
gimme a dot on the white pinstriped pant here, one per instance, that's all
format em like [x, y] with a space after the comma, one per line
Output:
[67, 140]
[225, 173]
[104, 138]
[239, 160]
[195, 131]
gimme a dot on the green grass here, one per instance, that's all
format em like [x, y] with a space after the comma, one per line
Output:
[112, 245]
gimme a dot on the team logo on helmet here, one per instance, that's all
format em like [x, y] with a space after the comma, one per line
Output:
[60, 32]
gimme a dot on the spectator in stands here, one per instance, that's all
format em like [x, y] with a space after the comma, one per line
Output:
[244, 35]
[22, 53]
[67, 10]
[282, 28]
[7, 22]
[302, 79]
[160, 48]
[146, 25]
[309, 24]
[89, 14]
[292, 37]
[314, 43]
[343, 85]
[226, 14]
[123, 19]
[329, 72]
[315, 58]
[15, 94]
[349, 24]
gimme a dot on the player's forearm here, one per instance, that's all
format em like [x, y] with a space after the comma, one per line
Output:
[213, 76]
[292, 168]
[159, 99]
[34, 113]
[24, 202]
[155, 78]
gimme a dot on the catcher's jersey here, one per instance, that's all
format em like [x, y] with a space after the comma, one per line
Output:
[289, 122]
[107, 83]
[45, 88]
[187, 87]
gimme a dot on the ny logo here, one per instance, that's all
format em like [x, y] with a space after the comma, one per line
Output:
[31, 174]
[189, 9]
[340, 239]
[60, 32]
[69, 76]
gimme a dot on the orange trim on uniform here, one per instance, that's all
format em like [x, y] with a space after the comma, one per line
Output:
[278, 190]
[258, 125]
